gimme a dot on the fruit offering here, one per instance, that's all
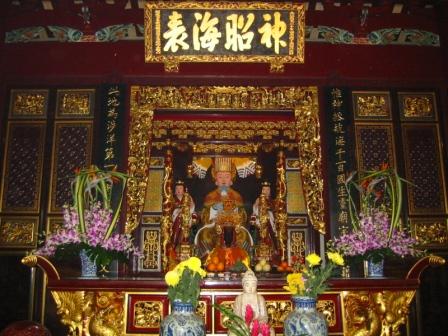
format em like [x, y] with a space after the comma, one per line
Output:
[262, 266]
[215, 264]
[284, 267]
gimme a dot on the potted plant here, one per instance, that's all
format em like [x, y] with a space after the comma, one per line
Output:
[305, 283]
[376, 231]
[183, 291]
[89, 223]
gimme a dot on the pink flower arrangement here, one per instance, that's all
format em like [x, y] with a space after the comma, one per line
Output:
[376, 229]
[247, 327]
[374, 240]
[248, 314]
[256, 327]
[89, 224]
[97, 220]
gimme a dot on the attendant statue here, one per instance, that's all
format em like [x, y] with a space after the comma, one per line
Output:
[223, 218]
[251, 297]
[183, 218]
[263, 219]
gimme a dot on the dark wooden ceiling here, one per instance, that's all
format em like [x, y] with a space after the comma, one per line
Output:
[391, 6]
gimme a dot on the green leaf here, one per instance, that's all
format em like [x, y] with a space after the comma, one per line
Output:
[124, 179]
[235, 323]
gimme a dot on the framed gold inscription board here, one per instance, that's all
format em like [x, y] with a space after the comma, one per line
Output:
[224, 32]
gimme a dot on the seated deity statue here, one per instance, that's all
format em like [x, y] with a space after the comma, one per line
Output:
[252, 298]
[183, 217]
[223, 218]
[264, 221]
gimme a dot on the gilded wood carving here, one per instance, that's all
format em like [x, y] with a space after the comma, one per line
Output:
[302, 101]
[220, 31]
[369, 313]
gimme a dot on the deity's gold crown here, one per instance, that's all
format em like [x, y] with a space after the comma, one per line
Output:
[266, 184]
[179, 182]
[223, 164]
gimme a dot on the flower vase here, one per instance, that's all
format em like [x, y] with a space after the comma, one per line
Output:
[305, 320]
[182, 321]
[88, 267]
[373, 269]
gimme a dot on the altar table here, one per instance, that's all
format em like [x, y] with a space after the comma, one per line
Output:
[136, 306]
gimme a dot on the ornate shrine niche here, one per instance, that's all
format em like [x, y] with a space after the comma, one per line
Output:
[249, 122]
[252, 144]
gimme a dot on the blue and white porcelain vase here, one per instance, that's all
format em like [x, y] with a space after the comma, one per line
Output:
[373, 269]
[88, 267]
[182, 321]
[305, 320]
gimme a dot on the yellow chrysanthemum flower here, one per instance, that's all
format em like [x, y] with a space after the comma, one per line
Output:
[194, 264]
[313, 259]
[180, 267]
[294, 277]
[172, 278]
[336, 258]
[296, 283]
[292, 290]
[202, 273]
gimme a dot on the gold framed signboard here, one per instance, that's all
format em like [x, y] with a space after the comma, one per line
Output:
[372, 105]
[75, 103]
[224, 32]
[28, 103]
[417, 106]
[18, 231]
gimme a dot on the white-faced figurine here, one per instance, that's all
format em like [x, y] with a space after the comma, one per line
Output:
[251, 297]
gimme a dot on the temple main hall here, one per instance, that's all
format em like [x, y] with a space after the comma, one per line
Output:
[249, 135]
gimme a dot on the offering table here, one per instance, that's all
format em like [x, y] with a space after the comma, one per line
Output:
[136, 306]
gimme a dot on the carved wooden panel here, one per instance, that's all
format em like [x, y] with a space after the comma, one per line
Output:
[417, 106]
[204, 310]
[75, 103]
[297, 245]
[371, 105]
[18, 232]
[364, 311]
[424, 169]
[374, 145]
[54, 224]
[153, 199]
[278, 307]
[295, 198]
[72, 148]
[430, 232]
[28, 104]
[145, 312]
[150, 246]
[297, 220]
[23, 167]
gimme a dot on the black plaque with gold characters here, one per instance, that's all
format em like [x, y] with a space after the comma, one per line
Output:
[224, 32]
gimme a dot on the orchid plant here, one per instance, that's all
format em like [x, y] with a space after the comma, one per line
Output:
[376, 230]
[373, 239]
[90, 223]
[378, 190]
